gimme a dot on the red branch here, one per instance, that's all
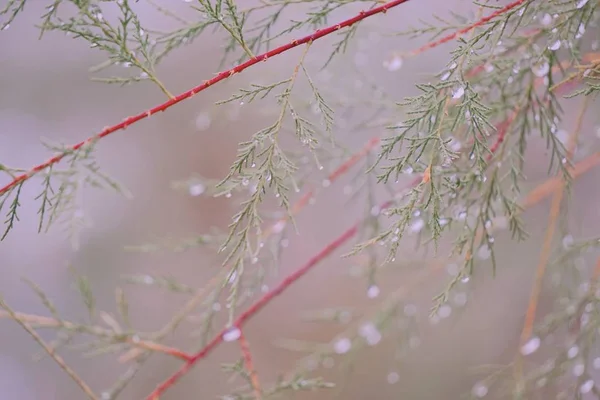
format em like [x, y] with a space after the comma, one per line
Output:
[188, 94]
[255, 308]
[456, 34]
[247, 355]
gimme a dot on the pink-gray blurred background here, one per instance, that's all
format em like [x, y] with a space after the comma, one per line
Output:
[45, 92]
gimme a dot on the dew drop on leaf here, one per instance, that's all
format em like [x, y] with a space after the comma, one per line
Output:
[458, 92]
[392, 378]
[196, 189]
[417, 225]
[394, 64]
[445, 311]
[578, 369]
[531, 346]
[572, 352]
[567, 242]
[484, 252]
[586, 386]
[232, 334]
[541, 69]
[479, 390]
[342, 345]
[554, 46]
[373, 291]
[546, 19]
[581, 3]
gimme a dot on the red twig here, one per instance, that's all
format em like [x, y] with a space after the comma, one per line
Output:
[458, 33]
[245, 348]
[255, 308]
[206, 84]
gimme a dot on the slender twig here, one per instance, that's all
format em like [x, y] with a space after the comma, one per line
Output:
[198, 297]
[547, 244]
[249, 363]
[467, 29]
[534, 197]
[51, 352]
[320, 33]
[48, 322]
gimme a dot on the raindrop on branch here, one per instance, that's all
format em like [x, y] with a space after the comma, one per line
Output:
[393, 377]
[342, 345]
[394, 64]
[232, 334]
[479, 390]
[373, 291]
[531, 346]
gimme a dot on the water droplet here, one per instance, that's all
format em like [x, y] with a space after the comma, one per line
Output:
[105, 396]
[326, 183]
[445, 76]
[370, 333]
[228, 195]
[460, 299]
[232, 334]
[135, 339]
[342, 346]
[444, 311]
[573, 351]
[568, 241]
[581, 3]
[417, 225]
[392, 378]
[375, 211]
[596, 363]
[196, 189]
[148, 280]
[394, 64]
[586, 386]
[484, 252]
[554, 46]
[541, 69]
[546, 19]
[531, 346]
[216, 307]
[373, 291]
[479, 390]
[458, 92]
[578, 369]
[279, 226]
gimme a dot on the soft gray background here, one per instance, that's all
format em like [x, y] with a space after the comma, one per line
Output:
[45, 91]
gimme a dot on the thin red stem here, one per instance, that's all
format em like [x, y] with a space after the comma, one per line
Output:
[320, 33]
[255, 308]
[458, 33]
[249, 363]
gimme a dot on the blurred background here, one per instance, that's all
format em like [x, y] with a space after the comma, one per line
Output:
[45, 92]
